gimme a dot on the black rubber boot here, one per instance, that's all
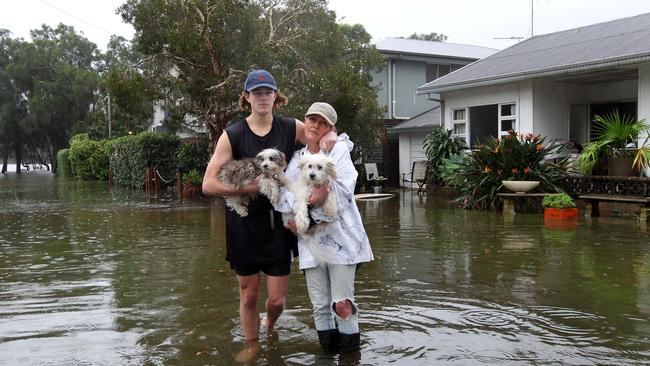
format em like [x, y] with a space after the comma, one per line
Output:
[350, 342]
[329, 339]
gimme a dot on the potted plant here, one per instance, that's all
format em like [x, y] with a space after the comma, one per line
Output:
[615, 146]
[559, 206]
[192, 181]
[377, 183]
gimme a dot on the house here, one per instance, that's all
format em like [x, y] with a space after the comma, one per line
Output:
[409, 64]
[551, 84]
[187, 131]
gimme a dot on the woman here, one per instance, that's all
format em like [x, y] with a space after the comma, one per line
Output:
[256, 243]
[331, 284]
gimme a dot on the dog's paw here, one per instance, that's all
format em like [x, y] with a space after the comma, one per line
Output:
[302, 225]
[241, 210]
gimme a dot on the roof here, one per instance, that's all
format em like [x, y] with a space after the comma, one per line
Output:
[429, 119]
[618, 42]
[430, 48]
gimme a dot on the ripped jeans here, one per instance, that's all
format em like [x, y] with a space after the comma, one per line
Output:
[328, 284]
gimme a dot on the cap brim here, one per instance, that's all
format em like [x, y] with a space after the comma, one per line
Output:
[322, 115]
[263, 85]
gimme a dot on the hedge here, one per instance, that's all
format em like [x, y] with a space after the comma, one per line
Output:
[64, 169]
[193, 155]
[88, 158]
[130, 155]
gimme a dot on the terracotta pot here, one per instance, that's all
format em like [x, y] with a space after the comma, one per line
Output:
[560, 213]
[620, 167]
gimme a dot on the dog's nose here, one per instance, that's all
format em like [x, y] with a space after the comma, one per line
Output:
[265, 166]
[312, 175]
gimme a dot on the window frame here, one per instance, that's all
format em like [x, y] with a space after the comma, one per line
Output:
[511, 117]
[464, 121]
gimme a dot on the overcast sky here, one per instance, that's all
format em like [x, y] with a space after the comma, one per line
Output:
[476, 22]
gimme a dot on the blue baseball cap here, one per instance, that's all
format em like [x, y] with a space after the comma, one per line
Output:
[258, 79]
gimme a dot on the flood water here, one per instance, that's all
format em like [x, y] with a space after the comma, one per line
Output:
[92, 276]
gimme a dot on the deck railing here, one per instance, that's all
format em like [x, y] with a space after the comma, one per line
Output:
[602, 184]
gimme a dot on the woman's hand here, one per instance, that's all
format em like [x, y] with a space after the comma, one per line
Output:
[327, 141]
[291, 225]
[318, 194]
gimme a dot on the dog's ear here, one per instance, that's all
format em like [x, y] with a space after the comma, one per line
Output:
[301, 164]
[330, 168]
[258, 160]
[283, 159]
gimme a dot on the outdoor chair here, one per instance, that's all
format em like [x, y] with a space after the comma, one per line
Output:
[418, 175]
[371, 171]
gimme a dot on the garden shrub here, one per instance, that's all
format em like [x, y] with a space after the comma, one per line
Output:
[438, 146]
[64, 168]
[88, 158]
[478, 173]
[127, 164]
[193, 155]
[559, 200]
[159, 151]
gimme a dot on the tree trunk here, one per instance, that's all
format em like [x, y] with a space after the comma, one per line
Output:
[19, 157]
[5, 161]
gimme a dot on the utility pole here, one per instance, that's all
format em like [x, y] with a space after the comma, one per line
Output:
[109, 115]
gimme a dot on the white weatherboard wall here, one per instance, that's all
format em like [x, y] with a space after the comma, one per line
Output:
[520, 93]
[410, 150]
[552, 103]
[643, 105]
[614, 92]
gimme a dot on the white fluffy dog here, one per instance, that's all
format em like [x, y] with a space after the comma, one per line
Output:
[314, 171]
[270, 163]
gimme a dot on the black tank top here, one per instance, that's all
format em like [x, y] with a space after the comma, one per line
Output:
[260, 237]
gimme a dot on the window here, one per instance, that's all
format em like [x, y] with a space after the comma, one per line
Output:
[459, 122]
[507, 118]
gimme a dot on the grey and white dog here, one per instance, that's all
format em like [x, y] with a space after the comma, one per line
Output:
[314, 170]
[270, 163]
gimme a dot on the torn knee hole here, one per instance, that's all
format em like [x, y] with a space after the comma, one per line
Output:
[344, 308]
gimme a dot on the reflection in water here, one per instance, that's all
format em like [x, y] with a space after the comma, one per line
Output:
[96, 276]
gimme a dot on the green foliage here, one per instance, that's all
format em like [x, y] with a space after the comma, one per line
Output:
[433, 36]
[612, 135]
[63, 161]
[478, 174]
[57, 73]
[200, 73]
[194, 176]
[559, 200]
[88, 158]
[193, 155]
[130, 155]
[126, 161]
[438, 146]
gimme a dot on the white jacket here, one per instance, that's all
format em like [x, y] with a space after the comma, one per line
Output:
[344, 238]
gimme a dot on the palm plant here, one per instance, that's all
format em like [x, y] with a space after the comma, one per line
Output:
[613, 134]
[438, 146]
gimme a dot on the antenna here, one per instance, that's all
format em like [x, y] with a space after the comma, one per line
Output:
[531, 18]
[518, 38]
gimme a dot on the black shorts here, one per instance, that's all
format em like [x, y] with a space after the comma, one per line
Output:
[273, 269]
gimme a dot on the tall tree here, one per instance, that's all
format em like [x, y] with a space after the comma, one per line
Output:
[60, 81]
[13, 108]
[200, 51]
[433, 36]
[124, 85]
